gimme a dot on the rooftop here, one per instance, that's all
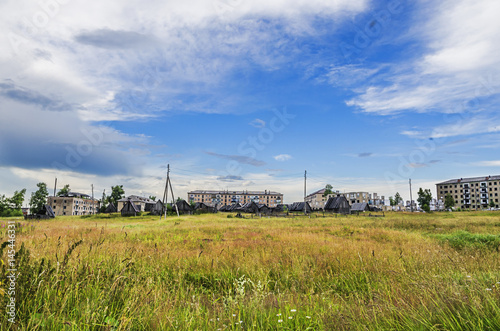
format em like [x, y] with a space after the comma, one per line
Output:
[470, 179]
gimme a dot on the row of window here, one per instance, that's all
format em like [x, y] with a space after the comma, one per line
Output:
[467, 185]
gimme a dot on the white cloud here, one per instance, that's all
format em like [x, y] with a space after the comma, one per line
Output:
[495, 163]
[459, 63]
[282, 157]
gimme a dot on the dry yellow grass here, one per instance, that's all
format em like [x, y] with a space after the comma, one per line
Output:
[404, 271]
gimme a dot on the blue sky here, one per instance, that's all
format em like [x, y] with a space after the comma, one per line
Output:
[238, 94]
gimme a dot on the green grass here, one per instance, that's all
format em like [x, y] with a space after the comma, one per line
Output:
[403, 272]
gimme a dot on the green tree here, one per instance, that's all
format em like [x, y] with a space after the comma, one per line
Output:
[392, 202]
[16, 202]
[117, 193]
[104, 202]
[449, 202]
[397, 199]
[39, 198]
[424, 199]
[4, 205]
[152, 197]
[328, 190]
[64, 191]
[492, 203]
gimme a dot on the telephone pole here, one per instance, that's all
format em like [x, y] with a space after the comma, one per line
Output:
[55, 187]
[305, 191]
[165, 194]
[305, 185]
[411, 199]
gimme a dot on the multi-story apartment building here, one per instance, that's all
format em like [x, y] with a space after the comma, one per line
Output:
[317, 200]
[73, 203]
[222, 198]
[471, 193]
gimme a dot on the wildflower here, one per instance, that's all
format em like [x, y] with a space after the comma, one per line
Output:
[290, 317]
[293, 310]
[308, 316]
[488, 289]
[234, 315]
[278, 314]
[279, 321]
[468, 276]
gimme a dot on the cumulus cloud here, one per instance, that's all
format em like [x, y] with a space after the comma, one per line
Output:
[458, 65]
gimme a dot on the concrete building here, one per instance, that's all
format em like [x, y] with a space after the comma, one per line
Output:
[73, 203]
[318, 201]
[224, 198]
[471, 193]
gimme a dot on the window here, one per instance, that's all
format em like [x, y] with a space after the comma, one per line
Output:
[64, 207]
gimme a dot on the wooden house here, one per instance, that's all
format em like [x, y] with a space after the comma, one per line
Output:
[129, 209]
[338, 205]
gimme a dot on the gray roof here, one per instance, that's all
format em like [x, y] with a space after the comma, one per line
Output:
[335, 202]
[360, 206]
[136, 198]
[317, 192]
[470, 179]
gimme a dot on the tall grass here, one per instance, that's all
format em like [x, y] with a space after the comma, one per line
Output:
[208, 272]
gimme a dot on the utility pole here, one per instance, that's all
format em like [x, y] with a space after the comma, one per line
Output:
[165, 194]
[93, 205]
[411, 199]
[305, 185]
[55, 187]
[305, 191]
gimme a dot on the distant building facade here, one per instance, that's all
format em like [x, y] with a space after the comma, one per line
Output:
[142, 203]
[318, 201]
[471, 193]
[224, 198]
[73, 203]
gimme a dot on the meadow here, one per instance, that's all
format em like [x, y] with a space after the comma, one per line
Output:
[438, 271]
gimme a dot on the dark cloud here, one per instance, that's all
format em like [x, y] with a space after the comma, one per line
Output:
[239, 159]
[229, 178]
[114, 39]
[86, 159]
[17, 93]
[365, 154]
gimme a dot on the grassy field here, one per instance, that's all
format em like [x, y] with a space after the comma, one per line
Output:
[405, 271]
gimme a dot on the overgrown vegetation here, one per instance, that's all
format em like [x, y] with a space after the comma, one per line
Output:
[436, 271]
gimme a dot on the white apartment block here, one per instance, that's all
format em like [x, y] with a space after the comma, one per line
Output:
[73, 204]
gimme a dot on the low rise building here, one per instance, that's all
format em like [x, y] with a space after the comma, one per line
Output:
[142, 203]
[73, 203]
[224, 198]
[318, 201]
